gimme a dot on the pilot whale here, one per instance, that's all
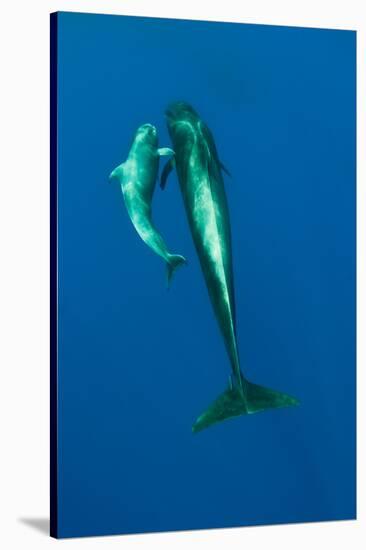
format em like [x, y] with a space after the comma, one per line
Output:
[137, 177]
[200, 177]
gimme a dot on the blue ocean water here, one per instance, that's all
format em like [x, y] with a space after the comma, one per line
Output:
[138, 363]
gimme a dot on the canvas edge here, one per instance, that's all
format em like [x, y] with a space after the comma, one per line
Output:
[53, 277]
[54, 527]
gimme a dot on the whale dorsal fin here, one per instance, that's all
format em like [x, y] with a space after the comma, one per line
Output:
[224, 169]
[166, 171]
[211, 147]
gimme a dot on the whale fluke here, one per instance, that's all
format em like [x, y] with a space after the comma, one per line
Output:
[173, 262]
[231, 403]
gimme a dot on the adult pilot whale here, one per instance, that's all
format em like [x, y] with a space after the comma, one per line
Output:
[137, 176]
[200, 177]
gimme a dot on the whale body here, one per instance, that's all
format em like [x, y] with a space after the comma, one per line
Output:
[137, 177]
[200, 177]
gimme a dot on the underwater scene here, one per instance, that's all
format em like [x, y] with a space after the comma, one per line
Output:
[206, 211]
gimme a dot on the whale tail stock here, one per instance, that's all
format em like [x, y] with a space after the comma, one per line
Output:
[173, 262]
[233, 403]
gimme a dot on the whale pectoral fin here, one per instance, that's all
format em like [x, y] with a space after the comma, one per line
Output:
[117, 173]
[166, 171]
[165, 151]
[224, 169]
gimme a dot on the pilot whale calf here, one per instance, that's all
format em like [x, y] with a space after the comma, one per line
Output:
[137, 177]
[200, 178]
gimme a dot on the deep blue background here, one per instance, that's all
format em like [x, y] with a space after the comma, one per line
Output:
[138, 363]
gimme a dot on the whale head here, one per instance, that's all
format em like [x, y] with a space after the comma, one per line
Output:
[146, 134]
[180, 111]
